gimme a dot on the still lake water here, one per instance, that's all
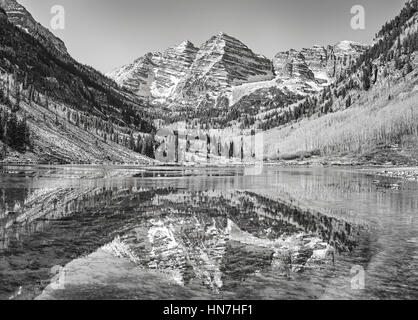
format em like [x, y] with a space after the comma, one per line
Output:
[194, 233]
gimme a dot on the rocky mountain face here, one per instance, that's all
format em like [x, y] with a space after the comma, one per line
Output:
[137, 76]
[185, 75]
[20, 17]
[157, 74]
[221, 63]
[173, 66]
[319, 64]
[225, 77]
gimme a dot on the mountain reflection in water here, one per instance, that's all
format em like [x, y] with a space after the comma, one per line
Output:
[164, 239]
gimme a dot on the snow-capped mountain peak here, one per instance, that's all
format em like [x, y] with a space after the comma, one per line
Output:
[319, 64]
[184, 45]
[224, 67]
[349, 47]
[157, 74]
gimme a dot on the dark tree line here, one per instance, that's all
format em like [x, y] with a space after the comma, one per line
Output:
[390, 47]
[244, 112]
[13, 132]
[110, 131]
[306, 107]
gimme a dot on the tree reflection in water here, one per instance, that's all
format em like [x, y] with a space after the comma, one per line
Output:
[213, 239]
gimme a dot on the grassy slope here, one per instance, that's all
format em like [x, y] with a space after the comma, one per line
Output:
[376, 129]
[66, 143]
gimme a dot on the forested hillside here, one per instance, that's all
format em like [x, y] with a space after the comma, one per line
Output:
[32, 75]
[370, 110]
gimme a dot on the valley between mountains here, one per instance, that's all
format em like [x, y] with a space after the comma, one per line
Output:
[217, 102]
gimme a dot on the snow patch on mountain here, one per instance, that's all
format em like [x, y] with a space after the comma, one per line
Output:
[223, 67]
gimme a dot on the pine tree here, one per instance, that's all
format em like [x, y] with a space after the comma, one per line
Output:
[30, 95]
[16, 107]
[46, 100]
[25, 81]
[348, 102]
[8, 87]
[4, 151]
[409, 68]
[139, 144]
[366, 79]
[2, 96]
[131, 141]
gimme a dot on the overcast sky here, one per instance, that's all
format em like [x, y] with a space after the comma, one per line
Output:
[107, 33]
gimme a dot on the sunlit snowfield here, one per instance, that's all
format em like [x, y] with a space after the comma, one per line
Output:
[193, 233]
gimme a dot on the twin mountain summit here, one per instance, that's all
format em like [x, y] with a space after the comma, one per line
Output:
[55, 109]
